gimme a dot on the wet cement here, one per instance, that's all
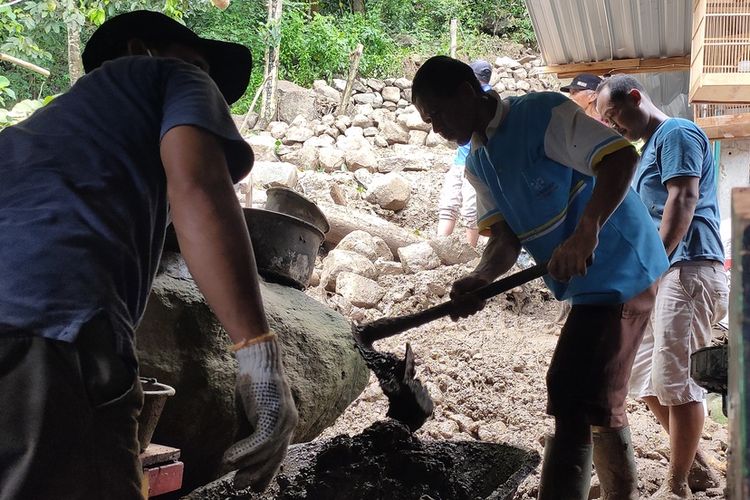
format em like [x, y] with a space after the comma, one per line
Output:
[386, 461]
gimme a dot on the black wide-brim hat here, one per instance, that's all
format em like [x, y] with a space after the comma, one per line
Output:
[230, 63]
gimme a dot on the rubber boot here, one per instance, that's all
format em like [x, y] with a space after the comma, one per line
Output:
[615, 464]
[566, 472]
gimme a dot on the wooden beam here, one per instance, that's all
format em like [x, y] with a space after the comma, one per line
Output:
[678, 63]
[725, 127]
[24, 64]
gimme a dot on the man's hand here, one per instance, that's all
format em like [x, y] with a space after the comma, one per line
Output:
[574, 255]
[461, 294]
[264, 393]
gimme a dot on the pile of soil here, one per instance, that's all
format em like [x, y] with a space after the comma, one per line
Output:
[387, 461]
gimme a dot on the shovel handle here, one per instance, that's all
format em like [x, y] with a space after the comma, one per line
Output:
[387, 327]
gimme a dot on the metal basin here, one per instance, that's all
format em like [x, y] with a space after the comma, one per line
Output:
[290, 202]
[154, 397]
[285, 247]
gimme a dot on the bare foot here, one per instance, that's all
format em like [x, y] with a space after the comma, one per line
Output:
[671, 491]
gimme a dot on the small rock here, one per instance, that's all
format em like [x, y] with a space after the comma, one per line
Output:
[361, 159]
[402, 83]
[392, 94]
[362, 121]
[389, 191]
[360, 242]
[452, 250]
[268, 174]
[358, 290]
[418, 257]
[338, 261]
[417, 137]
[448, 428]
[297, 134]
[507, 62]
[278, 129]
[394, 132]
[388, 267]
[330, 159]
[492, 431]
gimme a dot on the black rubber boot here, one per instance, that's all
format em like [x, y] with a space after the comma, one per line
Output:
[615, 464]
[566, 472]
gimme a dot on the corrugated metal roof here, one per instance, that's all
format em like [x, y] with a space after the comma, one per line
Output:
[575, 31]
[579, 31]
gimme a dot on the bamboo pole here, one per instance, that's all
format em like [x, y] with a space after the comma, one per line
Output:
[354, 58]
[24, 64]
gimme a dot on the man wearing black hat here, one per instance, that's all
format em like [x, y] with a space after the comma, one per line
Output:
[582, 91]
[88, 185]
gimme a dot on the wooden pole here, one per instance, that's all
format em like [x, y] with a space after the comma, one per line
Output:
[354, 58]
[252, 104]
[24, 64]
[454, 37]
[271, 73]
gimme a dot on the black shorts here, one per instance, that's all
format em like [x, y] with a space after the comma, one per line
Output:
[68, 422]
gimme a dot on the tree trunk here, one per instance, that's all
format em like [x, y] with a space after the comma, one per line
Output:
[271, 70]
[345, 220]
[75, 65]
[454, 37]
[358, 6]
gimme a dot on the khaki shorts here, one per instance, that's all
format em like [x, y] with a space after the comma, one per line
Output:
[692, 297]
[458, 197]
[588, 375]
[68, 423]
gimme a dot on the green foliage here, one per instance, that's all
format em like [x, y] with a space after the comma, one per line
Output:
[318, 47]
[313, 46]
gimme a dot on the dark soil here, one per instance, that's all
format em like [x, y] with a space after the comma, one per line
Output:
[386, 461]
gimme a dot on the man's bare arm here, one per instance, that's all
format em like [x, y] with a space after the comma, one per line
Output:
[500, 254]
[211, 230]
[682, 198]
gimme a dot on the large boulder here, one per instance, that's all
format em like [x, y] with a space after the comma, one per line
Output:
[295, 101]
[181, 343]
[264, 146]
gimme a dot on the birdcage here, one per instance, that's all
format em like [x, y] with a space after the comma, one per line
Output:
[723, 121]
[720, 57]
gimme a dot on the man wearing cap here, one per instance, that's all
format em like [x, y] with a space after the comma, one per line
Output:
[457, 194]
[582, 91]
[676, 179]
[88, 185]
[553, 180]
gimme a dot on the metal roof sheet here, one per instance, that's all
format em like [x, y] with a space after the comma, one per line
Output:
[575, 31]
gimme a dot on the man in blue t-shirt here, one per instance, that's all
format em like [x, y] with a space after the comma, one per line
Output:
[676, 179]
[534, 161]
[457, 194]
[88, 185]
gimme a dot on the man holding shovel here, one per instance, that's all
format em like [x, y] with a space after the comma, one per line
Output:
[88, 185]
[557, 182]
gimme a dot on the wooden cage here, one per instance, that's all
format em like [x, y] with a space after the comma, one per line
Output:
[723, 121]
[720, 56]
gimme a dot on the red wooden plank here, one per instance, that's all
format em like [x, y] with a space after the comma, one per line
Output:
[164, 479]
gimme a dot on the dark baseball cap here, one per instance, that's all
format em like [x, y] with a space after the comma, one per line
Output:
[230, 63]
[482, 70]
[584, 81]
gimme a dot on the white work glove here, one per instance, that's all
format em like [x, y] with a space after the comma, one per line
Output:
[263, 391]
